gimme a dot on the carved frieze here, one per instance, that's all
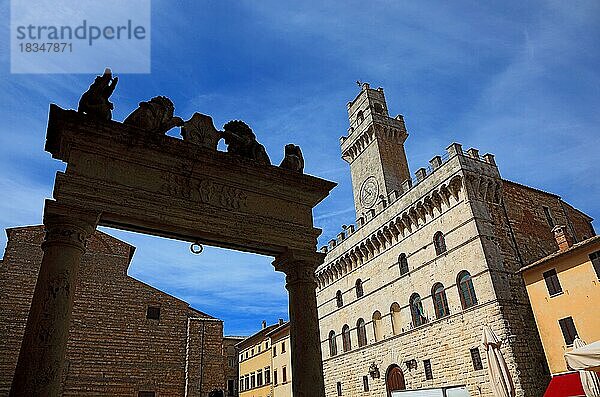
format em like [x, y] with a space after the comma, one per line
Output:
[204, 191]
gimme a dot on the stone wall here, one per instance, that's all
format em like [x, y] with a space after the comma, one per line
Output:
[113, 348]
[231, 363]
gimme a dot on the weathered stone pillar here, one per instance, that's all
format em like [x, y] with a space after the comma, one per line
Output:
[307, 364]
[41, 357]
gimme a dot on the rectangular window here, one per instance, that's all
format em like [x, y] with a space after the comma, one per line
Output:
[267, 375]
[284, 374]
[365, 383]
[567, 326]
[339, 388]
[275, 377]
[283, 347]
[241, 384]
[552, 282]
[146, 394]
[476, 358]
[274, 350]
[252, 380]
[153, 313]
[247, 382]
[548, 216]
[427, 366]
[252, 352]
[259, 347]
[230, 391]
[259, 378]
[595, 258]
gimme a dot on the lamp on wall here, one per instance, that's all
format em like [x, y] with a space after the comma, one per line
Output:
[411, 364]
[374, 371]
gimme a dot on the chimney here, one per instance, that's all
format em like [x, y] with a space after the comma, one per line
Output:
[280, 321]
[563, 239]
[264, 324]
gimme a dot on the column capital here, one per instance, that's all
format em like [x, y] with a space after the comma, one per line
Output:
[68, 225]
[298, 266]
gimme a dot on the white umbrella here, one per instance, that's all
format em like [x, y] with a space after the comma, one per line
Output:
[500, 381]
[586, 357]
[589, 379]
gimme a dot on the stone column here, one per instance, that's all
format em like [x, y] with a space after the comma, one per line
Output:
[41, 358]
[307, 364]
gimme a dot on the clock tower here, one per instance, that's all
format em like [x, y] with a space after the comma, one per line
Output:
[374, 148]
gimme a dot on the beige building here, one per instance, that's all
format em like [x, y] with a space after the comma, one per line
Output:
[281, 360]
[255, 364]
[404, 293]
[564, 290]
[265, 362]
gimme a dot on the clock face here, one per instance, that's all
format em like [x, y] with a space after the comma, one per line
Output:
[369, 192]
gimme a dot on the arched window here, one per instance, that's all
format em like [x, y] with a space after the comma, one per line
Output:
[416, 310]
[466, 290]
[338, 299]
[332, 343]
[439, 242]
[403, 264]
[347, 343]
[361, 332]
[395, 313]
[440, 303]
[360, 116]
[359, 288]
[377, 331]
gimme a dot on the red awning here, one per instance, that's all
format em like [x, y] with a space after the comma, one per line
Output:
[565, 385]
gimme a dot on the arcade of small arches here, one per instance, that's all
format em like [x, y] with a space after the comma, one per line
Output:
[466, 292]
[369, 135]
[392, 232]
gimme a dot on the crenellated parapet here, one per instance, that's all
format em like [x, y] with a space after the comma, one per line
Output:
[389, 128]
[455, 176]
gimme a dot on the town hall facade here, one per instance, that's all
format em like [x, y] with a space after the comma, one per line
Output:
[403, 294]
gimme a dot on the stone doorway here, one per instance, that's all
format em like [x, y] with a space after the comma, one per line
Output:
[132, 176]
[394, 379]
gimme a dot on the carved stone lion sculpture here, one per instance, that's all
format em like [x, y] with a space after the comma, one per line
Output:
[200, 130]
[293, 159]
[240, 140]
[94, 102]
[155, 116]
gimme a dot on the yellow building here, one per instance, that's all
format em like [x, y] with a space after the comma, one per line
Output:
[281, 361]
[255, 364]
[564, 290]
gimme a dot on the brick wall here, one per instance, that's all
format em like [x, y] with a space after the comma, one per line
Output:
[113, 349]
[533, 233]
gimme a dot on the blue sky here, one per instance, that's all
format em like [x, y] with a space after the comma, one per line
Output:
[517, 79]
